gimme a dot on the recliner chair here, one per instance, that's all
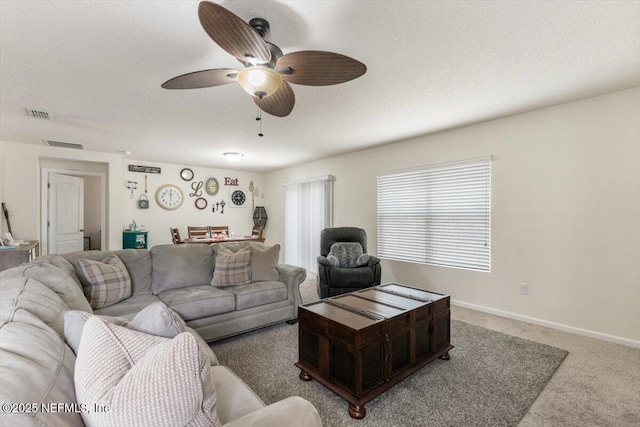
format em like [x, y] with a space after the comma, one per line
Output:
[335, 280]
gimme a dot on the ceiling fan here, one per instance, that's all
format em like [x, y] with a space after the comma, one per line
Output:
[267, 71]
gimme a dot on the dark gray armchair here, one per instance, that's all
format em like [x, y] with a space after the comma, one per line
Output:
[333, 280]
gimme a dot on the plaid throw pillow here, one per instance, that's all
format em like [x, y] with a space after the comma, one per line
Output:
[105, 283]
[232, 268]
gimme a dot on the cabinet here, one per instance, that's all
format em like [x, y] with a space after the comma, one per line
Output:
[134, 240]
[13, 257]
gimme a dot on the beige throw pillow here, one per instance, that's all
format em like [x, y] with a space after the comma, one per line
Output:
[105, 283]
[264, 263]
[143, 380]
[232, 268]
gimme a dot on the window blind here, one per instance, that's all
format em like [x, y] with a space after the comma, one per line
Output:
[437, 215]
[308, 210]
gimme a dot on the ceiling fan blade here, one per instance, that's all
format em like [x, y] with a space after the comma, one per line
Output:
[278, 104]
[204, 78]
[319, 68]
[233, 34]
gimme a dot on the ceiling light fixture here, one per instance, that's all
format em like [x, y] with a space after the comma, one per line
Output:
[233, 157]
[259, 81]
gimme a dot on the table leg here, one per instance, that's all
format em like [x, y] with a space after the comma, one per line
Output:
[357, 411]
[305, 376]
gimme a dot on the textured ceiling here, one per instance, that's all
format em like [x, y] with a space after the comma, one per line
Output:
[97, 67]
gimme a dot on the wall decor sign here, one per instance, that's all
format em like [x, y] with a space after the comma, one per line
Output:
[238, 197]
[197, 188]
[186, 174]
[201, 203]
[230, 181]
[212, 186]
[144, 169]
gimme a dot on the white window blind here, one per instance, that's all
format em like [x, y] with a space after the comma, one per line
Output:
[308, 210]
[437, 215]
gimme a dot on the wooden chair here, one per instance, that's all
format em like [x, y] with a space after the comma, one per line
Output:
[175, 236]
[257, 231]
[198, 232]
[219, 229]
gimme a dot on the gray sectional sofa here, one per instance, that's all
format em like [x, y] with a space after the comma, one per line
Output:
[180, 276]
[37, 366]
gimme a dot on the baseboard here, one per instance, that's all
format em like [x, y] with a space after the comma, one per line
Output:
[548, 324]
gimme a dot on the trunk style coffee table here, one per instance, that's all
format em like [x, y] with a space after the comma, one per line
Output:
[362, 343]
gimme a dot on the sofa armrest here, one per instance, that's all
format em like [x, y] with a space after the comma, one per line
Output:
[292, 276]
[322, 260]
[291, 412]
[373, 261]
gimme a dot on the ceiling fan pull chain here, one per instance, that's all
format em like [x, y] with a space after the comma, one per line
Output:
[259, 118]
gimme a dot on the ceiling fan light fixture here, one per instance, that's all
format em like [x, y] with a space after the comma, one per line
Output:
[233, 157]
[259, 81]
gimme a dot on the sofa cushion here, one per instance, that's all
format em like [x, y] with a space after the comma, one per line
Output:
[264, 263]
[235, 398]
[55, 278]
[105, 282]
[232, 268]
[179, 266]
[196, 302]
[137, 377]
[350, 277]
[137, 261]
[37, 367]
[129, 307]
[36, 298]
[156, 319]
[63, 264]
[259, 293]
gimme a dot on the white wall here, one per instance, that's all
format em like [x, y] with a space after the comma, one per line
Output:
[20, 166]
[565, 211]
[157, 221]
[20, 170]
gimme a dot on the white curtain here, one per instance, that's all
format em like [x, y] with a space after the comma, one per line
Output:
[308, 210]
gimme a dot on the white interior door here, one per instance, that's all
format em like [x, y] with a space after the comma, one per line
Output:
[66, 214]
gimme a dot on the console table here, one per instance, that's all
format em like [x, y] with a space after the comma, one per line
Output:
[13, 257]
[363, 343]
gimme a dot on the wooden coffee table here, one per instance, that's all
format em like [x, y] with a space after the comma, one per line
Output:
[362, 343]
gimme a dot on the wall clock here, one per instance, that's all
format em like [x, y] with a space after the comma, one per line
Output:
[169, 197]
[186, 174]
[238, 198]
[201, 203]
[212, 186]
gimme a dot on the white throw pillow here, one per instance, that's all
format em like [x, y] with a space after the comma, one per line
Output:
[143, 380]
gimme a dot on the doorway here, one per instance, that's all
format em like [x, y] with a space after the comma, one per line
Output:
[73, 210]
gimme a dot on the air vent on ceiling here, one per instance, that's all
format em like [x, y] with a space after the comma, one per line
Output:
[37, 114]
[63, 144]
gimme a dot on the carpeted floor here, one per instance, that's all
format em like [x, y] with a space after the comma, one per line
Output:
[491, 379]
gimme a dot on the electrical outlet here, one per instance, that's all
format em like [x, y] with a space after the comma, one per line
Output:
[524, 289]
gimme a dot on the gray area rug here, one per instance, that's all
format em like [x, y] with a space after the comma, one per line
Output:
[492, 379]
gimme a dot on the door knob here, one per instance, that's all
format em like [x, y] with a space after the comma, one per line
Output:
[82, 229]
